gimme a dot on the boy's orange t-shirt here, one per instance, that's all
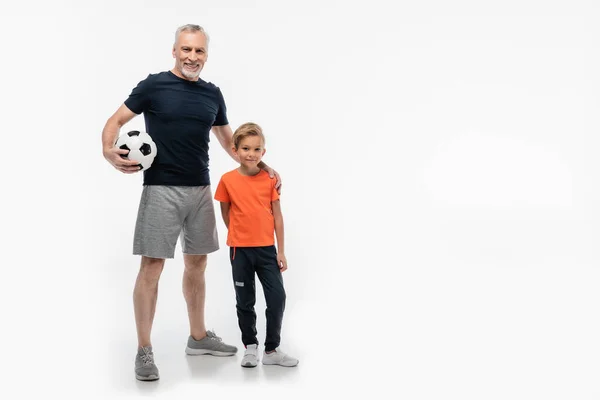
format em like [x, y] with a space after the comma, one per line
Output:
[251, 222]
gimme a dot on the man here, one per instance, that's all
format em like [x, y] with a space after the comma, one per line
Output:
[180, 110]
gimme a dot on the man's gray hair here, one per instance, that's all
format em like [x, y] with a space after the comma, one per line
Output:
[191, 28]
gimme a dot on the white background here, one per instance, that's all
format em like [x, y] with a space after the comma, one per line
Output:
[440, 197]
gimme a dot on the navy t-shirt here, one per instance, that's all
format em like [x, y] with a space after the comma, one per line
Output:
[179, 115]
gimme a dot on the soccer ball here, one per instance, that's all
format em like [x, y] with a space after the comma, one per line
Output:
[141, 148]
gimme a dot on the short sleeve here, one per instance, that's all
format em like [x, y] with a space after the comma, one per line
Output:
[221, 118]
[221, 193]
[274, 193]
[139, 98]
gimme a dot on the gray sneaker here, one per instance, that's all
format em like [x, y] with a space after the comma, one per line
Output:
[210, 344]
[145, 369]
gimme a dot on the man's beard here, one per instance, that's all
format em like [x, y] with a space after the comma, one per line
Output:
[190, 74]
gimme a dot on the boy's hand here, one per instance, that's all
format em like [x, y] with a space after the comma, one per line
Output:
[281, 262]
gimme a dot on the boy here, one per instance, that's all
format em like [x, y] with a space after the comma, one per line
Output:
[251, 211]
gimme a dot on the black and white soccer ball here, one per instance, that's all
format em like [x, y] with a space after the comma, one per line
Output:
[141, 148]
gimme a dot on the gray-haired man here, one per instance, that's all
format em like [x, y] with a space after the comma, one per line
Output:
[180, 110]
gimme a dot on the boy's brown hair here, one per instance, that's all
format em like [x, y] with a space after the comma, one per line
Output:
[245, 130]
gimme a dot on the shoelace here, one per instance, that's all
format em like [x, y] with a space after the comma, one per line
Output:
[147, 358]
[212, 335]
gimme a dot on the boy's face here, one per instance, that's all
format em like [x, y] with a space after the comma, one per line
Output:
[250, 151]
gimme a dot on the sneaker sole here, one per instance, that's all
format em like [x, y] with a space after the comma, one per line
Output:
[199, 352]
[281, 365]
[146, 378]
[248, 365]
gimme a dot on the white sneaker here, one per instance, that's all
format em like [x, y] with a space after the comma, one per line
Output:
[250, 358]
[278, 357]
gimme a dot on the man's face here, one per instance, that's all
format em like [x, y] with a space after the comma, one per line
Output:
[190, 53]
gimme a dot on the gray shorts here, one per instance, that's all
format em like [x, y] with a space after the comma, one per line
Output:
[167, 212]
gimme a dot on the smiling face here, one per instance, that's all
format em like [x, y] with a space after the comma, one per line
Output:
[190, 52]
[250, 151]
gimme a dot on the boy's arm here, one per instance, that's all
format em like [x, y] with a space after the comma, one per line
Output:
[225, 213]
[278, 216]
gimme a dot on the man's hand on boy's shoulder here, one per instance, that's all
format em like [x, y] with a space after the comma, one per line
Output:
[281, 262]
[273, 174]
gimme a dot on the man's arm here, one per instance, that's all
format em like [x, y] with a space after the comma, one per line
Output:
[278, 216]
[109, 136]
[225, 213]
[224, 134]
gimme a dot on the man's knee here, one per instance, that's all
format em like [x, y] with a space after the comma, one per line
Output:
[195, 263]
[151, 268]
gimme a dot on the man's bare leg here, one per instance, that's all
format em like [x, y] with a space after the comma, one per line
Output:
[145, 295]
[200, 341]
[194, 291]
